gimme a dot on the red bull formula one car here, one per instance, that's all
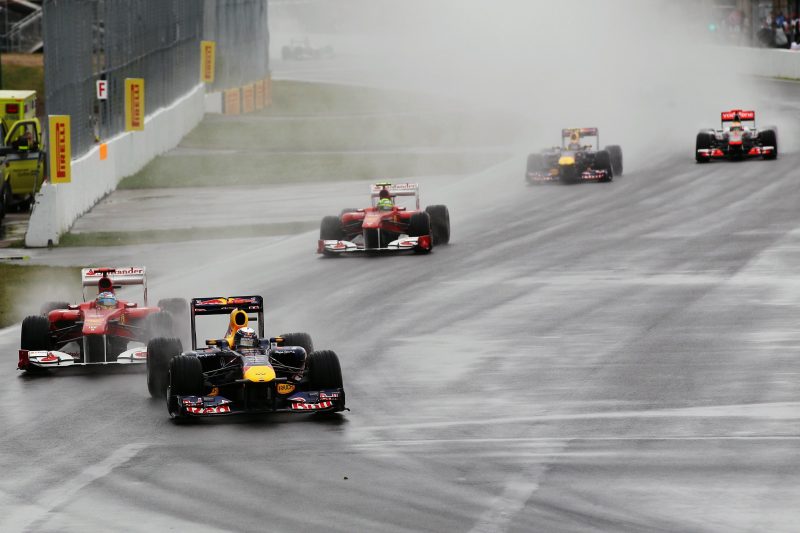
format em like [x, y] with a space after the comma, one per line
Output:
[99, 330]
[578, 159]
[243, 372]
[737, 139]
[385, 226]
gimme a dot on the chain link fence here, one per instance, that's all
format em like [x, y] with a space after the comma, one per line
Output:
[158, 40]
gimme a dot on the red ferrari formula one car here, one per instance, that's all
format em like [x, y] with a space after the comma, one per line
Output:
[97, 331]
[737, 139]
[386, 226]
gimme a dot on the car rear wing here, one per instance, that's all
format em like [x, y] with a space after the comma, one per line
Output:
[398, 189]
[225, 305]
[583, 132]
[738, 115]
[110, 278]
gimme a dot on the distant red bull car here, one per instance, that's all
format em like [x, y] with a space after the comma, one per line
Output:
[737, 139]
[385, 226]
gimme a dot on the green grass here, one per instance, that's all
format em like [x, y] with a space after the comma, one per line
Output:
[368, 132]
[262, 169]
[17, 77]
[124, 238]
[24, 288]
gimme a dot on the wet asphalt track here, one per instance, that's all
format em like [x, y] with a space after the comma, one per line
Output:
[609, 357]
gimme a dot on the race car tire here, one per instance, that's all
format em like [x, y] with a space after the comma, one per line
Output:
[615, 152]
[770, 138]
[52, 306]
[160, 352]
[602, 161]
[35, 333]
[299, 339]
[440, 223]
[703, 142]
[185, 376]
[330, 229]
[535, 162]
[419, 224]
[324, 370]
[159, 324]
[174, 306]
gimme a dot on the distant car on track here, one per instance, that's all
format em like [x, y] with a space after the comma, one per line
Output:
[386, 226]
[243, 372]
[575, 160]
[737, 139]
[98, 330]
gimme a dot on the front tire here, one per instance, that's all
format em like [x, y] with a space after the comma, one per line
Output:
[185, 379]
[703, 142]
[35, 334]
[160, 352]
[324, 370]
[615, 152]
[330, 229]
[602, 161]
[770, 138]
[440, 223]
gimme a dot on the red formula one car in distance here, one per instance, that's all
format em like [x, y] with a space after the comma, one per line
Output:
[738, 138]
[97, 331]
[385, 226]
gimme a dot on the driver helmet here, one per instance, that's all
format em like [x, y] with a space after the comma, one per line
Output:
[106, 300]
[574, 140]
[385, 204]
[245, 338]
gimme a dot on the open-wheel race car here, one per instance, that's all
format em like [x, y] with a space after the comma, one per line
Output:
[576, 160]
[385, 226]
[97, 331]
[243, 372]
[737, 139]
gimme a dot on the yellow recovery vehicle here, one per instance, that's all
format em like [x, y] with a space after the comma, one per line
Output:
[22, 151]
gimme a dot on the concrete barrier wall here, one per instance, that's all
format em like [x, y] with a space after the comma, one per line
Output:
[58, 206]
[767, 62]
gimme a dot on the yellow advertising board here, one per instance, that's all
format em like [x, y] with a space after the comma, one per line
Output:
[134, 104]
[60, 149]
[207, 60]
[248, 105]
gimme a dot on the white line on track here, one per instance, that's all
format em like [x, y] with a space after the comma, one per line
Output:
[26, 517]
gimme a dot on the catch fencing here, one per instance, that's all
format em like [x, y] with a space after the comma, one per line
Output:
[158, 40]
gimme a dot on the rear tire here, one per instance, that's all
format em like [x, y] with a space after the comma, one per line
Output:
[615, 152]
[160, 352]
[440, 223]
[35, 334]
[299, 339]
[602, 161]
[770, 138]
[703, 142]
[159, 324]
[52, 306]
[330, 229]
